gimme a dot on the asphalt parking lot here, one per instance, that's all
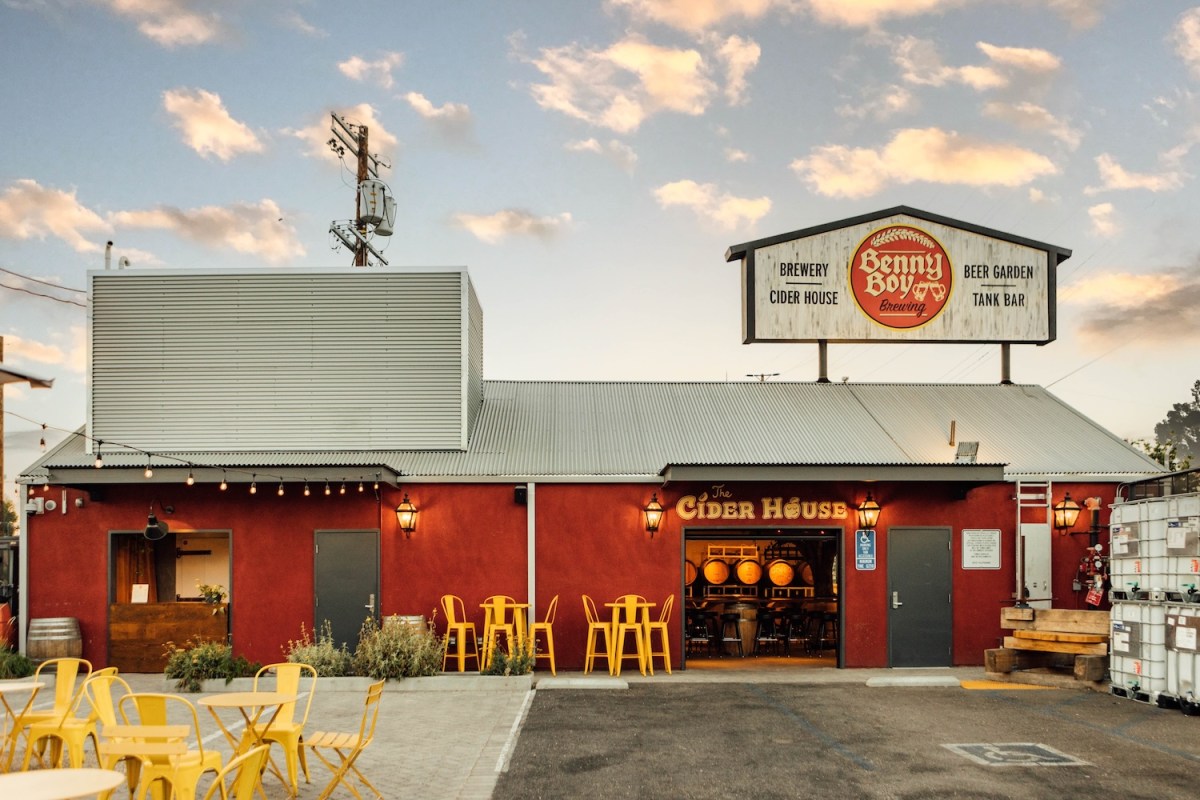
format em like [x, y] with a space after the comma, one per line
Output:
[767, 740]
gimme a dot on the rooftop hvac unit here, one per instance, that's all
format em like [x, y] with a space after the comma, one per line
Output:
[384, 226]
[372, 201]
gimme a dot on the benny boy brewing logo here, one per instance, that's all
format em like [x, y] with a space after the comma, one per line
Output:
[901, 277]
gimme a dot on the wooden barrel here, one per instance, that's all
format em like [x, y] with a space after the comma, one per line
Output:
[749, 571]
[689, 573]
[53, 637]
[716, 571]
[780, 572]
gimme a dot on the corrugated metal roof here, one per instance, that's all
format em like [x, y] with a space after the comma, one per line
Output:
[546, 429]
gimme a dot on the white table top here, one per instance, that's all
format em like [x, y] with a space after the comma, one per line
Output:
[19, 686]
[59, 784]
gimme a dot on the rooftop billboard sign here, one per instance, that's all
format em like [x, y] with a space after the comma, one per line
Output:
[898, 275]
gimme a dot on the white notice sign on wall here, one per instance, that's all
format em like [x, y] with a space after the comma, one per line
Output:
[980, 549]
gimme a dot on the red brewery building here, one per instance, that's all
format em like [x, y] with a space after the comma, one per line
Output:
[260, 430]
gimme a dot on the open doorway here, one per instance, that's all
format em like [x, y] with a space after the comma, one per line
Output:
[758, 599]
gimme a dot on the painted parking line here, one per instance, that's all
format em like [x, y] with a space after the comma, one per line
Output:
[1003, 685]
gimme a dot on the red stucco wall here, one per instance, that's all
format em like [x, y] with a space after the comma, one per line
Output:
[472, 539]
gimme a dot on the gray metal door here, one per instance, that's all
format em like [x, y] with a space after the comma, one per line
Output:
[345, 581]
[920, 624]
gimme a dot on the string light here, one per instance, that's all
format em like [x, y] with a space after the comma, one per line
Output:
[327, 487]
[253, 485]
[343, 489]
[280, 492]
[99, 459]
[149, 472]
[306, 491]
[224, 483]
[377, 481]
[360, 487]
[191, 479]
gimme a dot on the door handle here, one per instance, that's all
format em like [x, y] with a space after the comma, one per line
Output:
[370, 606]
[896, 600]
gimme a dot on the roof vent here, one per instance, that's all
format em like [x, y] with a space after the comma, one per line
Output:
[966, 453]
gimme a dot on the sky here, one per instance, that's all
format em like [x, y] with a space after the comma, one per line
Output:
[591, 161]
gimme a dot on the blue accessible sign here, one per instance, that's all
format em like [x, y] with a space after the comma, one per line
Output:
[864, 549]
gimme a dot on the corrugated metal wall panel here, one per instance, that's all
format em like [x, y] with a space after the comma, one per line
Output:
[278, 360]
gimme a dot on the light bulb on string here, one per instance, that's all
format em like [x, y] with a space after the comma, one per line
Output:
[149, 471]
[327, 487]
[191, 479]
[343, 489]
[253, 485]
[280, 492]
[360, 487]
[306, 491]
[224, 483]
[42, 444]
[377, 481]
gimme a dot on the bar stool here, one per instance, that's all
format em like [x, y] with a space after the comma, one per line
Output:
[496, 622]
[825, 631]
[699, 630]
[460, 634]
[626, 622]
[766, 631]
[597, 629]
[731, 631]
[797, 632]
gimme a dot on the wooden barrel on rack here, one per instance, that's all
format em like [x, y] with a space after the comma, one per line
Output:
[780, 572]
[716, 571]
[749, 571]
[53, 637]
[689, 573]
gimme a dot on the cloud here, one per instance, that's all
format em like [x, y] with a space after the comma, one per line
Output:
[740, 57]
[921, 64]
[491, 228]
[1186, 38]
[292, 19]
[207, 127]
[1115, 177]
[930, 155]
[736, 156]
[29, 210]
[1079, 13]
[619, 153]
[709, 203]
[1132, 307]
[68, 352]
[869, 13]
[316, 136]
[378, 71]
[452, 120]
[619, 87]
[879, 103]
[1032, 117]
[170, 23]
[255, 229]
[695, 16]
[1026, 59]
[1104, 222]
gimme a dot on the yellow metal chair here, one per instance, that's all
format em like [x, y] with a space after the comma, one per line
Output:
[246, 770]
[497, 620]
[597, 629]
[347, 747]
[462, 631]
[546, 626]
[66, 696]
[182, 771]
[68, 732]
[661, 626]
[626, 622]
[285, 729]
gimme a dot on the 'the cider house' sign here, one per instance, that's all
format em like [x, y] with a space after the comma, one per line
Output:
[899, 275]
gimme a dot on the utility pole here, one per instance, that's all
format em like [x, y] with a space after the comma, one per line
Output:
[762, 376]
[353, 139]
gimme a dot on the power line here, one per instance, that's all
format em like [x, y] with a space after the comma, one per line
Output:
[40, 294]
[44, 283]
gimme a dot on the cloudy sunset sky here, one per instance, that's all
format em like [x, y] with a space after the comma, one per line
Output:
[590, 161]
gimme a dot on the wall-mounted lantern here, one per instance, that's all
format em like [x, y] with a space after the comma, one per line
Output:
[406, 516]
[868, 513]
[654, 514]
[1066, 511]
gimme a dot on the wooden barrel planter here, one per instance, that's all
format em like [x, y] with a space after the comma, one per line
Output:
[53, 637]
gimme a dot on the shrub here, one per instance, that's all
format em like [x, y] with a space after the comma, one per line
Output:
[519, 662]
[397, 651]
[14, 664]
[328, 659]
[200, 661]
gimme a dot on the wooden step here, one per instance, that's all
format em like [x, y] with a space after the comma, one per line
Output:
[1078, 648]
[1061, 636]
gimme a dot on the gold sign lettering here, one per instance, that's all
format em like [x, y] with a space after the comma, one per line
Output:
[702, 506]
